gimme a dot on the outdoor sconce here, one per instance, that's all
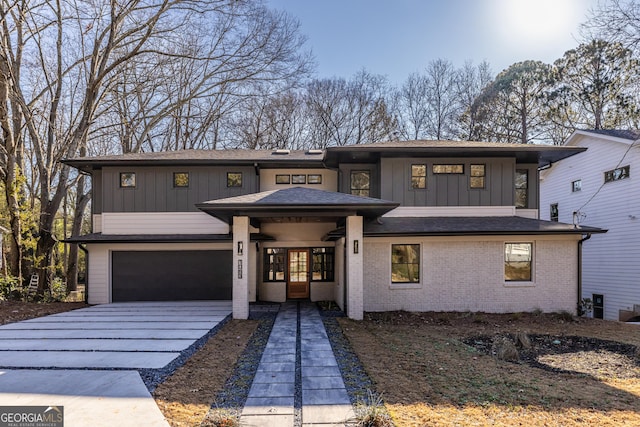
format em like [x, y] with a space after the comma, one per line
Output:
[356, 247]
[240, 247]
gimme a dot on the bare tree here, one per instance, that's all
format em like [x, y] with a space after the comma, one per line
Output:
[471, 81]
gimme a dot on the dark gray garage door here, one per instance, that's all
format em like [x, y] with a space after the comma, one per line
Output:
[171, 275]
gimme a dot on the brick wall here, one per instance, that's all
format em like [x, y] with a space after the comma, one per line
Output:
[468, 275]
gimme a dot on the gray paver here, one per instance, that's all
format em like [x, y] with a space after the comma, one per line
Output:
[115, 324]
[327, 414]
[270, 420]
[103, 333]
[96, 345]
[91, 359]
[333, 396]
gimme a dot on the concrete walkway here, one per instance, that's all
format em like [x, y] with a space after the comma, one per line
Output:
[298, 353]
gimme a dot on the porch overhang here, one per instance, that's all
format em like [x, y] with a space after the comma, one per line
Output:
[297, 204]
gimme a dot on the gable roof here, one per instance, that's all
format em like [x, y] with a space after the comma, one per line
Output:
[296, 202]
[616, 133]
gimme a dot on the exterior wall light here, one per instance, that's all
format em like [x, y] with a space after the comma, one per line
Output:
[240, 247]
[356, 246]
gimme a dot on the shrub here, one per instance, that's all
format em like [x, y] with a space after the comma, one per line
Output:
[10, 288]
[372, 413]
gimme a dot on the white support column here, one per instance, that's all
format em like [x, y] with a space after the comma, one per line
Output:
[241, 267]
[355, 268]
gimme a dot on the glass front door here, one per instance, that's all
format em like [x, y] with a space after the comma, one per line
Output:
[298, 278]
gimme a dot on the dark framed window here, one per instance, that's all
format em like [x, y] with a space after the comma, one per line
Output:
[274, 264]
[476, 176]
[234, 179]
[448, 169]
[180, 179]
[314, 179]
[617, 174]
[298, 179]
[360, 183]
[283, 179]
[522, 188]
[127, 179]
[518, 259]
[553, 212]
[405, 263]
[322, 264]
[576, 186]
[418, 176]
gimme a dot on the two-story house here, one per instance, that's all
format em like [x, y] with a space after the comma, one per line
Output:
[600, 187]
[414, 225]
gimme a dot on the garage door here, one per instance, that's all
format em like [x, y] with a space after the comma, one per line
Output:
[171, 275]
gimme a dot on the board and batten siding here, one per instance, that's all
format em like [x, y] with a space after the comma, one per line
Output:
[161, 223]
[154, 190]
[610, 261]
[453, 189]
[467, 274]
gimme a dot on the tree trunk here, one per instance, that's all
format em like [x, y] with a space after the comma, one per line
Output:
[82, 199]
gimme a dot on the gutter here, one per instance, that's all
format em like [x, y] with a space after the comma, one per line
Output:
[86, 272]
[579, 300]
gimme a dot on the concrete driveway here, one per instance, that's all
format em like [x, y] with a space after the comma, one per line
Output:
[83, 359]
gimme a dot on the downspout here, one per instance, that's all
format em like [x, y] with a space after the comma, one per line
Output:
[580, 242]
[86, 272]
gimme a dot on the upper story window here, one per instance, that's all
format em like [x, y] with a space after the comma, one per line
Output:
[553, 212]
[448, 169]
[476, 179]
[314, 179]
[298, 179]
[234, 179]
[419, 176]
[522, 188]
[576, 185]
[616, 174]
[127, 179]
[180, 179]
[405, 263]
[360, 183]
[518, 259]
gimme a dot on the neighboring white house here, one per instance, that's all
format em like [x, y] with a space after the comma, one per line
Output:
[601, 187]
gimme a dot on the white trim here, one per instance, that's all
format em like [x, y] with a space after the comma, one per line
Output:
[452, 211]
[528, 213]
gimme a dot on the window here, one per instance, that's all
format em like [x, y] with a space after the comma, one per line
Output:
[448, 169]
[576, 186]
[360, 183]
[553, 212]
[127, 179]
[418, 176]
[298, 179]
[616, 174]
[476, 180]
[517, 262]
[274, 264]
[522, 187]
[405, 263]
[314, 179]
[234, 179]
[180, 179]
[322, 267]
[283, 179]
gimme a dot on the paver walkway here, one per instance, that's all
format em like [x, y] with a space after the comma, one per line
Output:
[298, 353]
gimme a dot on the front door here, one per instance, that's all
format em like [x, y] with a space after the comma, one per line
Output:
[298, 283]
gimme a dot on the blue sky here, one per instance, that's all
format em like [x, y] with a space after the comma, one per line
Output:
[398, 37]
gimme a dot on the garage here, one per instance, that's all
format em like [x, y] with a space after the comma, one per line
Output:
[171, 275]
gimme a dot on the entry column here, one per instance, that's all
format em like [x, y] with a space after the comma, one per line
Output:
[240, 267]
[355, 268]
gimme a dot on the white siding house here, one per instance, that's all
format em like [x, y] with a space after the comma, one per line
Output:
[601, 187]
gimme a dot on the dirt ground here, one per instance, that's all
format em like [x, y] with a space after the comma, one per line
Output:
[439, 369]
[15, 311]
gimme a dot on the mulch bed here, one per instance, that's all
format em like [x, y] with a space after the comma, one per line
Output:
[571, 354]
[15, 311]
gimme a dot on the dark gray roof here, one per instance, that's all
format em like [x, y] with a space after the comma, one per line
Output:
[201, 157]
[523, 153]
[296, 202]
[159, 238]
[617, 133]
[465, 226]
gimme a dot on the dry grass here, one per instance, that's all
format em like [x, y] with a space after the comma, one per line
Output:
[428, 377]
[186, 396]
